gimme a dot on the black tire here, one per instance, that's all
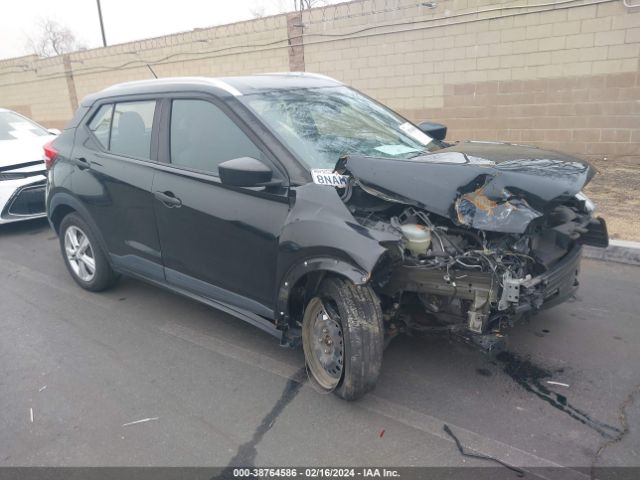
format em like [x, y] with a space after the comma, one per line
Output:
[356, 309]
[103, 276]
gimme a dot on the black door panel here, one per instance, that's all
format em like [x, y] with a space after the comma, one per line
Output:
[116, 190]
[217, 241]
[220, 242]
[117, 194]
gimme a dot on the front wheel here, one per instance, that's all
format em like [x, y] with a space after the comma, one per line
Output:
[343, 338]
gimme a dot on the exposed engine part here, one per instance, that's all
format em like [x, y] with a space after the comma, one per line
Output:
[479, 312]
[463, 277]
[510, 290]
[418, 238]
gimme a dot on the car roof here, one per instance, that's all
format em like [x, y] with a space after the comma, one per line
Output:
[222, 86]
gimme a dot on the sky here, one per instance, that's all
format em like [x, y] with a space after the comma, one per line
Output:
[124, 20]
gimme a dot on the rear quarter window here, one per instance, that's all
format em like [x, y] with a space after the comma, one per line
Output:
[100, 125]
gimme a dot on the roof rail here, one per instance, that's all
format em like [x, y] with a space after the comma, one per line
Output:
[225, 86]
[216, 82]
[304, 74]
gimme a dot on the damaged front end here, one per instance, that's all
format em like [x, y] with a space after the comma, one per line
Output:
[474, 257]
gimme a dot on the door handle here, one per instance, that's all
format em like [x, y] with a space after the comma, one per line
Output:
[168, 199]
[83, 163]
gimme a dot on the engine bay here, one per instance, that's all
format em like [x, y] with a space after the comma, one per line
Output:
[443, 276]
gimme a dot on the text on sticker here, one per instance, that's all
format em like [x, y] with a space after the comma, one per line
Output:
[323, 176]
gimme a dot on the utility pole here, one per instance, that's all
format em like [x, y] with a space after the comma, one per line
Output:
[104, 39]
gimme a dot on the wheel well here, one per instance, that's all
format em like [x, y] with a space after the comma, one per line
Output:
[58, 214]
[304, 290]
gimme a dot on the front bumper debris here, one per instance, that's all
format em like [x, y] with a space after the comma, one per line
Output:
[486, 298]
[556, 285]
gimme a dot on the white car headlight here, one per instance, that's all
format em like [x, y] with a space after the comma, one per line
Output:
[588, 204]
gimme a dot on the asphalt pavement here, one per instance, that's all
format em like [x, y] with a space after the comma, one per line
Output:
[138, 376]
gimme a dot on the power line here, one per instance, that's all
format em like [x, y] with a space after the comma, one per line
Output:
[330, 37]
[554, 5]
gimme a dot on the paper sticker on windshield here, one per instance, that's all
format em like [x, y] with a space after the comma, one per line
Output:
[326, 176]
[415, 133]
[396, 149]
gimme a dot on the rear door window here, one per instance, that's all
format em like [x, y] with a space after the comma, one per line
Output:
[203, 136]
[131, 129]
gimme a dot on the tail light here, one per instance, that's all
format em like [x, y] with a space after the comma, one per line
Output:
[50, 155]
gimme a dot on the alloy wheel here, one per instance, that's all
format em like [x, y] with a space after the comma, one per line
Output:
[79, 253]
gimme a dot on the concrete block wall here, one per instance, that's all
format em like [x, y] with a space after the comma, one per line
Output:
[562, 74]
[25, 89]
[45, 89]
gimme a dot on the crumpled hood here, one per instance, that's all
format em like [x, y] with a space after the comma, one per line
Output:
[489, 186]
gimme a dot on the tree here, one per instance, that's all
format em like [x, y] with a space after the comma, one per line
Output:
[261, 8]
[53, 38]
[308, 4]
[257, 11]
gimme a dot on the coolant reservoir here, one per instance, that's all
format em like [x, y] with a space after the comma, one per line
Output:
[418, 238]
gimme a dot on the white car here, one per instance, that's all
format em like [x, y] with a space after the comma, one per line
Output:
[22, 167]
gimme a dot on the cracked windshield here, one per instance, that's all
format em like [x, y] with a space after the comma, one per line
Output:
[321, 125]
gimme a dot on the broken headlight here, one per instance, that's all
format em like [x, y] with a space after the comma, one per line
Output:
[589, 206]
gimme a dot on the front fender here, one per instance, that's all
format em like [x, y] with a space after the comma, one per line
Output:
[321, 235]
[315, 265]
[319, 222]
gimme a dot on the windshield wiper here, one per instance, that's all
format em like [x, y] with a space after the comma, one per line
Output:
[419, 154]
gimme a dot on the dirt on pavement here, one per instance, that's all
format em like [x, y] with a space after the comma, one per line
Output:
[616, 192]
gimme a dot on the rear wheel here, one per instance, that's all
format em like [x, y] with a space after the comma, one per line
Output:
[83, 256]
[342, 337]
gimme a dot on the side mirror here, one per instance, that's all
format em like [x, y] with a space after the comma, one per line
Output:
[54, 131]
[244, 172]
[434, 130]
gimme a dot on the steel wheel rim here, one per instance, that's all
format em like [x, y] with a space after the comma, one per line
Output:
[79, 253]
[323, 344]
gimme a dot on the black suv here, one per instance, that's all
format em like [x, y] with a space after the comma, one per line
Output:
[316, 214]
